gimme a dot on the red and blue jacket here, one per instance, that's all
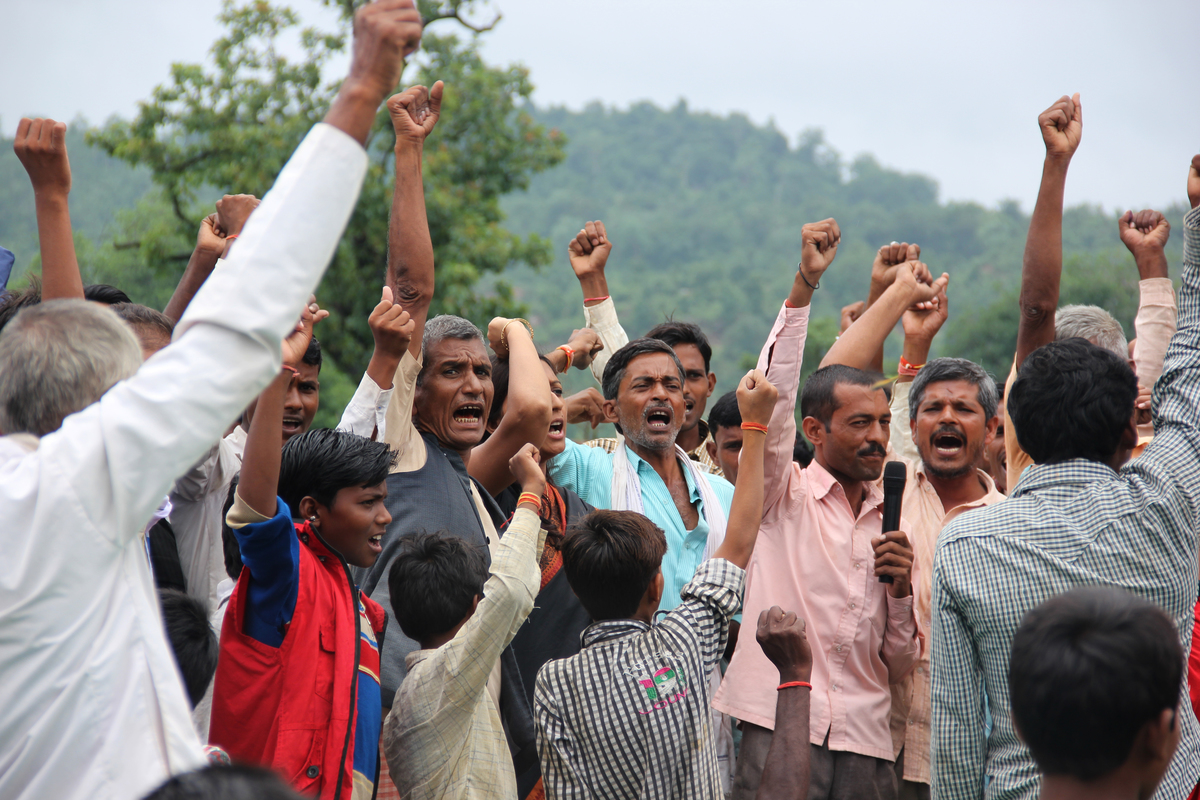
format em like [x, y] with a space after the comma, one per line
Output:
[297, 684]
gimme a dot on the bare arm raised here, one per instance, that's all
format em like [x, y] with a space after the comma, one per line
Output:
[41, 147]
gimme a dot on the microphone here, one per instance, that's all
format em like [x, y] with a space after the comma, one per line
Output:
[895, 475]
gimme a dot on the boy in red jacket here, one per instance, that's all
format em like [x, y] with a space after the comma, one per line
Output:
[297, 684]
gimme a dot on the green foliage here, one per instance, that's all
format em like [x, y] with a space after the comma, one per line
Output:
[705, 215]
[230, 128]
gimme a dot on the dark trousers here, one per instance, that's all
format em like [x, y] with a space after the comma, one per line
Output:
[909, 790]
[835, 774]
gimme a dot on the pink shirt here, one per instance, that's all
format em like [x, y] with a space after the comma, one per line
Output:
[814, 557]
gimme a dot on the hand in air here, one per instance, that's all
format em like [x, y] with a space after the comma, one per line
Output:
[756, 397]
[296, 343]
[784, 640]
[586, 406]
[385, 33]
[210, 239]
[41, 147]
[526, 468]
[589, 249]
[850, 315]
[415, 112]
[887, 260]
[1062, 127]
[818, 247]
[585, 344]
[391, 326]
[922, 289]
[1144, 230]
[923, 321]
[233, 210]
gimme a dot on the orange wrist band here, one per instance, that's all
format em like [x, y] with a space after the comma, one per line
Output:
[529, 497]
[793, 684]
[754, 426]
[908, 370]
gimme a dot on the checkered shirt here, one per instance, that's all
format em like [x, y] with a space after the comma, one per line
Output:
[630, 716]
[1069, 524]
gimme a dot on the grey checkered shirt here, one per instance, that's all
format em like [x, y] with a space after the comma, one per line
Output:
[629, 717]
[1066, 525]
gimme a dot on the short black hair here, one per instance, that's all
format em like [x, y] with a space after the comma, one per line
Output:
[312, 356]
[192, 640]
[677, 333]
[1071, 399]
[802, 451]
[610, 558]
[724, 413]
[103, 293]
[614, 370]
[432, 582]
[320, 462]
[145, 320]
[1089, 669]
[818, 398]
[940, 370]
[225, 782]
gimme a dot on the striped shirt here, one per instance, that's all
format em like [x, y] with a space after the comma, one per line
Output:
[1069, 524]
[588, 471]
[629, 716]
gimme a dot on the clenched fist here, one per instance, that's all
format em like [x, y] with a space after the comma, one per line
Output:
[589, 250]
[1062, 127]
[415, 112]
[233, 210]
[41, 147]
[890, 256]
[818, 247]
[385, 33]
[756, 398]
[784, 640]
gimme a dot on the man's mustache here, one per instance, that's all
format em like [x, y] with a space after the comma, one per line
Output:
[873, 449]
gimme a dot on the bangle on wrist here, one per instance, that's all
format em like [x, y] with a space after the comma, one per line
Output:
[503, 331]
[793, 685]
[570, 355]
[907, 369]
[754, 426]
[529, 497]
[800, 272]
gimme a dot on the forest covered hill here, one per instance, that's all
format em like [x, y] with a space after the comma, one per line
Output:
[705, 214]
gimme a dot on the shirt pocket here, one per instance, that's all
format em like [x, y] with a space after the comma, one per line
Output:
[326, 657]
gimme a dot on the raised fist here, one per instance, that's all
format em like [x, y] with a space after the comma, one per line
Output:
[233, 210]
[385, 33]
[296, 343]
[524, 466]
[890, 256]
[209, 239]
[818, 247]
[1145, 230]
[41, 147]
[923, 290]
[784, 641]
[586, 406]
[850, 315]
[922, 322]
[415, 112]
[1062, 126]
[756, 397]
[589, 249]
[585, 344]
[391, 326]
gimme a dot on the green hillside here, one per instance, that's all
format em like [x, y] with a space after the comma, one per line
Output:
[705, 213]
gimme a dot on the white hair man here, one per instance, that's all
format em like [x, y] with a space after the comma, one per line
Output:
[93, 705]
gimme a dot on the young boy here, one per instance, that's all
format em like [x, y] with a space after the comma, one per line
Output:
[297, 684]
[630, 717]
[443, 737]
[1094, 680]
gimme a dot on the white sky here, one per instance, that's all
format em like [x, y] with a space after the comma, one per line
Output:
[948, 88]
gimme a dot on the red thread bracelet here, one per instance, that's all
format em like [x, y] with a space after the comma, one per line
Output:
[292, 369]
[596, 299]
[793, 684]
[232, 236]
[529, 497]
[754, 426]
[907, 369]
[570, 355]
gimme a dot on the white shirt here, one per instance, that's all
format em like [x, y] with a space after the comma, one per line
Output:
[91, 703]
[198, 497]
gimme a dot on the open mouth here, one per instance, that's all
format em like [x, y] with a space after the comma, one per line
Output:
[376, 543]
[658, 419]
[469, 414]
[947, 443]
[292, 425]
[689, 405]
[558, 429]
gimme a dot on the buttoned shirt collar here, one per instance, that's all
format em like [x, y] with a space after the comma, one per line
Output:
[1073, 472]
[821, 482]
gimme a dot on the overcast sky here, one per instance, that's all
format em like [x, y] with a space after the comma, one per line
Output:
[951, 89]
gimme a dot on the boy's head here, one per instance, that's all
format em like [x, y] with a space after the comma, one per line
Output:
[435, 583]
[192, 640]
[1094, 681]
[725, 428]
[338, 482]
[613, 561]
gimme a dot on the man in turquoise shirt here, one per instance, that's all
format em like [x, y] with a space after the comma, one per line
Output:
[643, 391]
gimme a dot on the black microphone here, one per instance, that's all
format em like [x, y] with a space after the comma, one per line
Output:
[895, 475]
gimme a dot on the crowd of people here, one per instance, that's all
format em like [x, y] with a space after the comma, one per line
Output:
[203, 596]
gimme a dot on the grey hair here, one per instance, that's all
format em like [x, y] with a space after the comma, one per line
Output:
[1094, 324]
[57, 358]
[445, 326]
[614, 370]
[955, 369]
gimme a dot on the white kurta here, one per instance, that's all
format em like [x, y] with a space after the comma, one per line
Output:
[91, 703]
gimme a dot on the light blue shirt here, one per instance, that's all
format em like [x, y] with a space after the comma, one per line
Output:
[588, 471]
